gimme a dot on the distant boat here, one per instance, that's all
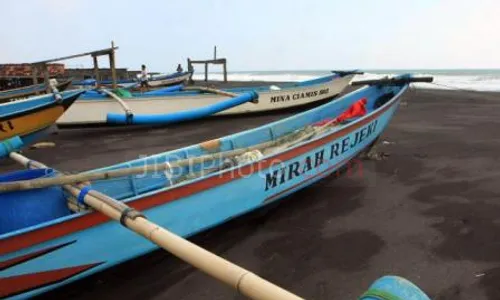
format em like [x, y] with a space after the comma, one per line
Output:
[48, 240]
[169, 79]
[22, 120]
[95, 108]
[30, 90]
[154, 81]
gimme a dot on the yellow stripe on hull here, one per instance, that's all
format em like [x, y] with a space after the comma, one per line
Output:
[23, 125]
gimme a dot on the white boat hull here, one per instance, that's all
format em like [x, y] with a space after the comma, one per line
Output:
[94, 111]
[168, 81]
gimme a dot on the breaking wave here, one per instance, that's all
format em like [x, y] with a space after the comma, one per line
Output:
[481, 81]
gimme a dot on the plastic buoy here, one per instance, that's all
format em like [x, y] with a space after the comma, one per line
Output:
[393, 288]
[9, 145]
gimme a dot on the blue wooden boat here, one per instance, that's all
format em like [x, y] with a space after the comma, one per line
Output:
[23, 121]
[154, 80]
[31, 90]
[48, 239]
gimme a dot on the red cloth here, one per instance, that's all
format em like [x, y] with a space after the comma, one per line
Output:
[358, 109]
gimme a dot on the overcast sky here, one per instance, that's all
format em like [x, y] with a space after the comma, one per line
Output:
[258, 34]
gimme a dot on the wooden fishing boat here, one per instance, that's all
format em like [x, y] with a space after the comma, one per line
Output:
[49, 237]
[169, 79]
[22, 121]
[93, 108]
[155, 81]
[31, 90]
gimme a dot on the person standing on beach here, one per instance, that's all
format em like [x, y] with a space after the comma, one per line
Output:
[191, 71]
[144, 79]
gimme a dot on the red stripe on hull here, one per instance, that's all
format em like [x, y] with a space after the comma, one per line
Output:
[28, 239]
[23, 258]
[14, 285]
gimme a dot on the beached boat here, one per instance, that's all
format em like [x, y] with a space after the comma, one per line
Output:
[169, 79]
[94, 108]
[154, 81]
[31, 90]
[22, 121]
[49, 238]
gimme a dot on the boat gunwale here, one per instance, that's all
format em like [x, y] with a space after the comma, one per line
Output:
[5, 94]
[67, 96]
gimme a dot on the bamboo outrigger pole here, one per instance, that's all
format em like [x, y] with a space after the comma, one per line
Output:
[244, 281]
[279, 144]
[209, 90]
[102, 175]
[122, 103]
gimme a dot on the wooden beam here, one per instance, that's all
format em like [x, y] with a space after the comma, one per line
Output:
[96, 70]
[210, 61]
[112, 64]
[92, 53]
[113, 69]
[225, 71]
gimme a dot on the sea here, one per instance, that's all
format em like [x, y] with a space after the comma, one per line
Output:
[464, 79]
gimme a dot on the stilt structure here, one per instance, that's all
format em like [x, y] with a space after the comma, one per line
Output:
[110, 52]
[215, 61]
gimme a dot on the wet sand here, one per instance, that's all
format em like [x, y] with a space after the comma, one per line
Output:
[428, 212]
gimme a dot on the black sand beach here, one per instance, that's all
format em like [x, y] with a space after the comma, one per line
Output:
[429, 211]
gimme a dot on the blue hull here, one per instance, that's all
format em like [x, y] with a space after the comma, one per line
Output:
[29, 91]
[128, 81]
[33, 116]
[81, 244]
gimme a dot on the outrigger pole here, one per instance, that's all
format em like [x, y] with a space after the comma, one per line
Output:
[244, 281]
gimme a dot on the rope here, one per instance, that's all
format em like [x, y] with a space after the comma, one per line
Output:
[483, 94]
[57, 95]
[168, 173]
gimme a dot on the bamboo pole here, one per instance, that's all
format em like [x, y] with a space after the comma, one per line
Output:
[83, 177]
[277, 145]
[124, 105]
[244, 281]
[210, 90]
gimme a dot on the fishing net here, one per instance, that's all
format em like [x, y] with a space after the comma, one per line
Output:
[122, 93]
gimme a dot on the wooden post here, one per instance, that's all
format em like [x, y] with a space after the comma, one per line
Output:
[46, 78]
[34, 70]
[215, 52]
[112, 64]
[225, 71]
[96, 70]
[206, 71]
